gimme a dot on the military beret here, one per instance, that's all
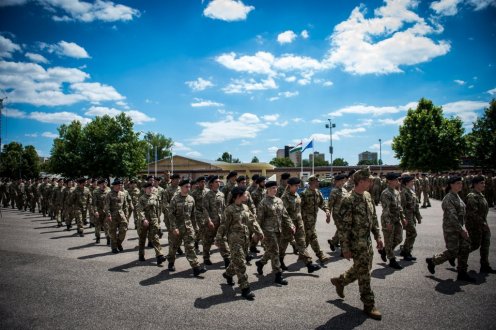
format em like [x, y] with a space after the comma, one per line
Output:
[101, 181]
[231, 174]
[352, 172]
[157, 178]
[407, 179]
[193, 181]
[269, 184]
[392, 176]
[260, 179]
[236, 191]
[338, 177]
[294, 180]
[183, 182]
[213, 178]
[254, 177]
[453, 179]
[201, 178]
[478, 179]
[150, 177]
[116, 181]
[61, 179]
[93, 180]
[81, 180]
[285, 176]
[313, 178]
[175, 176]
[147, 185]
[240, 178]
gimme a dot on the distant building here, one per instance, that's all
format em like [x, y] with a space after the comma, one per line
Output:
[367, 155]
[318, 156]
[284, 153]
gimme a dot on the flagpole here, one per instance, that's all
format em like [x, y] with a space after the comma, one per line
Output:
[156, 161]
[313, 159]
[301, 160]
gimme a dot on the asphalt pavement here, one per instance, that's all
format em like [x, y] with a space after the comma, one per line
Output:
[52, 279]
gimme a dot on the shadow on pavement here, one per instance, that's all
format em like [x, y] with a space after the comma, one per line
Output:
[50, 232]
[165, 275]
[228, 295]
[135, 263]
[108, 253]
[352, 318]
[82, 246]
[382, 273]
[451, 286]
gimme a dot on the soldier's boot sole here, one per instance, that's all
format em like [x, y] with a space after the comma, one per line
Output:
[247, 294]
[430, 265]
[339, 287]
[373, 313]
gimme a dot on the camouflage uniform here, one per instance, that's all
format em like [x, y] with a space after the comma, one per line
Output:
[99, 197]
[115, 204]
[281, 189]
[418, 188]
[237, 225]
[257, 195]
[20, 195]
[477, 227]
[392, 214]
[376, 190]
[358, 220]
[311, 201]
[182, 217]
[453, 221]
[59, 199]
[68, 208]
[198, 195]
[81, 201]
[335, 200]
[425, 192]
[135, 196]
[409, 203]
[13, 194]
[166, 199]
[148, 207]
[226, 190]
[213, 209]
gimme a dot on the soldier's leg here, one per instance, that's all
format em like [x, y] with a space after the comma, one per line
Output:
[122, 230]
[335, 238]
[272, 245]
[475, 235]
[463, 252]
[174, 242]
[112, 227]
[398, 235]
[237, 266]
[411, 234]
[452, 240]
[142, 234]
[189, 246]
[153, 231]
[366, 293]
[79, 221]
[388, 241]
[484, 249]
[299, 238]
[208, 240]
[286, 237]
[98, 225]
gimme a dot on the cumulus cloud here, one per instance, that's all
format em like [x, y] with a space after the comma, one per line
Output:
[238, 86]
[205, 103]
[272, 149]
[59, 118]
[390, 121]
[96, 92]
[362, 109]
[227, 10]
[286, 37]
[446, 7]
[271, 118]
[394, 37]
[336, 135]
[37, 58]
[304, 34]
[69, 49]
[492, 91]
[246, 126]
[137, 117]
[199, 84]
[50, 135]
[7, 47]
[465, 110]
[459, 82]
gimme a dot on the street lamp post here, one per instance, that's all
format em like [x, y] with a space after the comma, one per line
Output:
[380, 156]
[330, 126]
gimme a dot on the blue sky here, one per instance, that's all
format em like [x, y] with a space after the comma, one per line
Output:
[246, 76]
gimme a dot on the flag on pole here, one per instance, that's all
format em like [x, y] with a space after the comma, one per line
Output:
[309, 145]
[296, 148]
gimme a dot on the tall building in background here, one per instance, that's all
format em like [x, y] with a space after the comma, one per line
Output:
[284, 153]
[367, 155]
[317, 155]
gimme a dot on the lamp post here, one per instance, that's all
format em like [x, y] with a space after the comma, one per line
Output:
[330, 126]
[380, 156]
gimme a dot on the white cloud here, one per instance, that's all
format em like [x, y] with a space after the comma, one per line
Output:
[194, 154]
[238, 86]
[199, 84]
[96, 92]
[446, 7]
[37, 58]
[317, 121]
[273, 149]
[205, 103]
[363, 109]
[227, 10]
[138, 117]
[282, 124]
[365, 122]
[63, 117]
[50, 135]
[394, 37]
[259, 63]
[14, 113]
[465, 110]
[290, 79]
[389, 121]
[481, 4]
[178, 146]
[289, 94]
[492, 91]
[271, 118]
[274, 98]
[459, 82]
[336, 135]
[247, 126]
[304, 34]
[326, 83]
[31, 135]
[7, 47]
[286, 37]
[69, 49]
[297, 120]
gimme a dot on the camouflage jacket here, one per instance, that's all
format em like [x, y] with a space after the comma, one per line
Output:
[249, 202]
[227, 189]
[237, 225]
[115, 204]
[213, 207]
[182, 213]
[135, 195]
[311, 202]
[409, 204]
[81, 198]
[199, 195]
[292, 203]
[335, 200]
[477, 209]
[281, 189]
[257, 195]
[453, 212]
[99, 199]
[392, 212]
[148, 207]
[272, 215]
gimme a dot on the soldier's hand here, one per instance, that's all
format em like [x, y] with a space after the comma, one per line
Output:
[146, 223]
[348, 255]
[210, 224]
[404, 222]
[293, 230]
[389, 226]
[97, 214]
[176, 232]
[464, 234]
[419, 221]
[380, 244]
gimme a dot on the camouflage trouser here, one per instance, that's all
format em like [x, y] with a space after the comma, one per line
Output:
[311, 235]
[20, 202]
[152, 233]
[118, 223]
[362, 264]
[480, 238]
[237, 266]
[411, 234]
[426, 202]
[166, 218]
[335, 238]
[209, 239]
[101, 223]
[13, 201]
[92, 217]
[272, 250]
[299, 237]
[456, 247]
[175, 242]
[392, 238]
[68, 215]
[80, 217]
[32, 204]
[58, 214]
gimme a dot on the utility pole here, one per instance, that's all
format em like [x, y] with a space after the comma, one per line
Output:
[330, 127]
[380, 156]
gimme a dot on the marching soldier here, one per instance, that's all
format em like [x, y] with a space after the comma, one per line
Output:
[115, 204]
[81, 201]
[409, 203]
[99, 196]
[335, 200]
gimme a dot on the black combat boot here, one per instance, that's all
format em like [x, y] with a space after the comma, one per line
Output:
[247, 294]
[487, 269]
[260, 266]
[228, 278]
[331, 245]
[171, 267]
[119, 246]
[160, 259]
[452, 262]
[412, 258]
[207, 261]
[279, 279]
[339, 286]
[394, 264]
[141, 257]
[115, 251]
[312, 267]
[150, 244]
[97, 240]
[198, 270]
[179, 251]
[430, 265]
[283, 265]
[108, 240]
[68, 227]
[464, 276]
[382, 252]
[295, 250]
[227, 262]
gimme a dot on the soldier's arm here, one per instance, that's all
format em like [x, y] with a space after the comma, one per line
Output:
[172, 215]
[322, 204]
[450, 217]
[346, 215]
[286, 220]
[375, 224]
[473, 210]
[261, 214]
[385, 202]
[253, 225]
[194, 221]
[106, 204]
[222, 231]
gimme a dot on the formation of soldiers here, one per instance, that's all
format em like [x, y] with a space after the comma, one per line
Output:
[238, 217]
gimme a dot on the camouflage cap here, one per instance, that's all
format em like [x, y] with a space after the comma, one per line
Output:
[362, 174]
[313, 178]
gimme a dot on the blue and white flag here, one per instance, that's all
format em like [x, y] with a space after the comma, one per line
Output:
[309, 145]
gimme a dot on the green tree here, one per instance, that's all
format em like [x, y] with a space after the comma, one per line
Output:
[30, 162]
[255, 159]
[228, 158]
[367, 162]
[163, 144]
[66, 154]
[481, 142]
[282, 162]
[339, 162]
[428, 141]
[321, 162]
[17, 161]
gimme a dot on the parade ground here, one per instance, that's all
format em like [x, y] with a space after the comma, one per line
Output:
[52, 279]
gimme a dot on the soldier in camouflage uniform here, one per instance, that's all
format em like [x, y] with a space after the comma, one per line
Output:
[292, 202]
[376, 189]
[476, 223]
[349, 185]
[311, 201]
[58, 201]
[418, 186]
[238, 223]
[81, 201]
[358, 220]
[66, 205]
[257, 195]
[230, 184]
[99, 196]
[335, 200]
[20, 195]
[91, 211]
[198, 194]
[147, 223]
[411, 211]
[283, 184]
[167, 197]
[392, 218]
[455, 235]
[115, 206]
[213, 215]
[253, 184]
[424, 182]
[182, 227]
[274, 221]
[135, 194]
